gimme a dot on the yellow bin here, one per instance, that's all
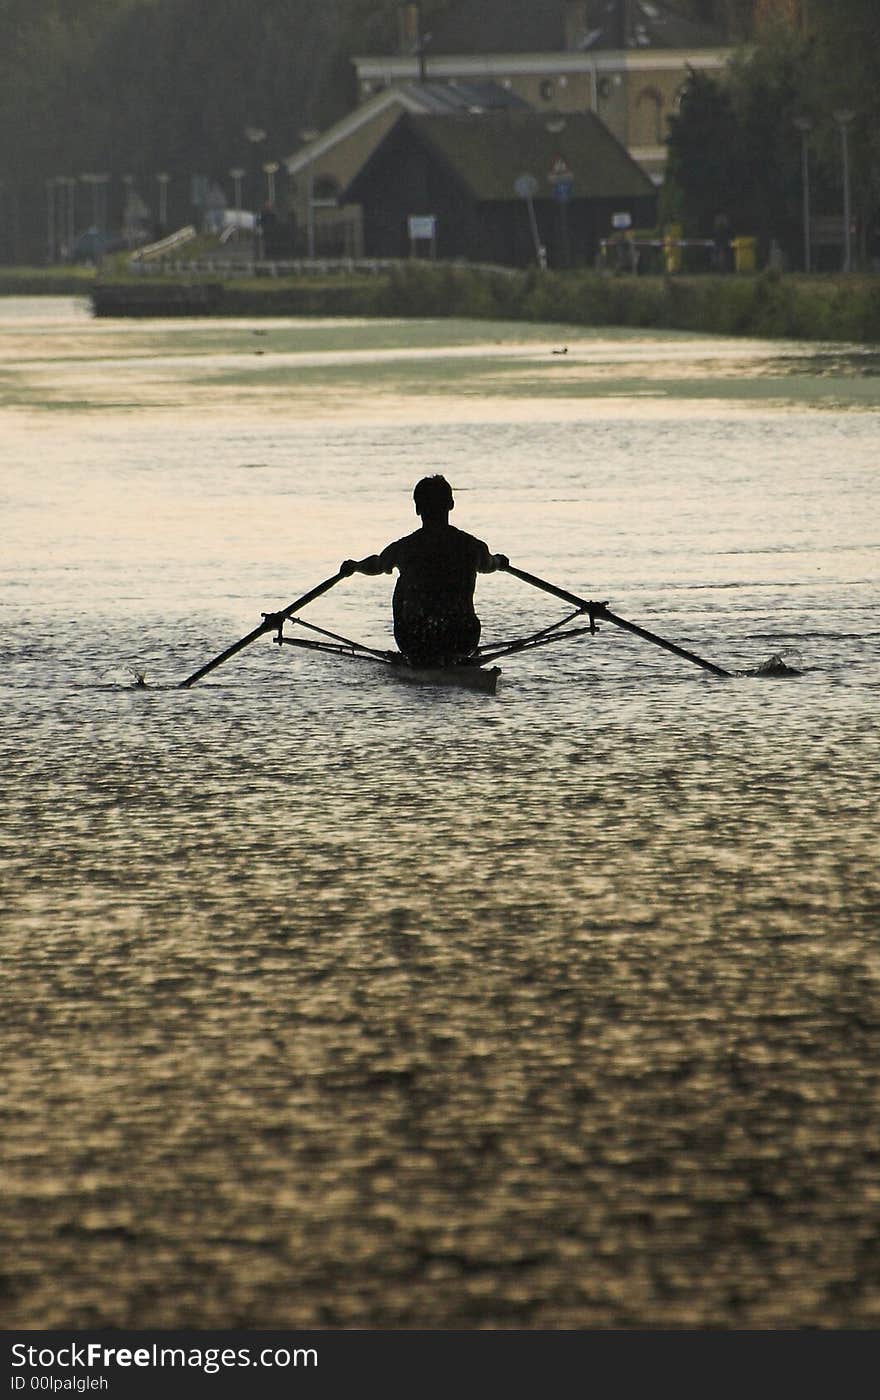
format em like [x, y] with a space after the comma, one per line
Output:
[672, 248]
[744, 257]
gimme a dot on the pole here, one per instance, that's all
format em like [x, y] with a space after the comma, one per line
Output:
[600, 610]
[163, 179]
[270, 620]
[847, 250]
[50, 227]
[805, 126]
[843, 117]
[71, 212]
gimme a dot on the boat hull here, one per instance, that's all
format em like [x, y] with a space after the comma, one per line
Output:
[481, 678]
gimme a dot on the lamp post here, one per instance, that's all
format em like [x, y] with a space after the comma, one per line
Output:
[310, 135]
[237, 176]
[270, 170]
[70, 183]
[163, 180]
[805, 126]
[844, 116]
[51, 185]
[97, 183]
[255, 134]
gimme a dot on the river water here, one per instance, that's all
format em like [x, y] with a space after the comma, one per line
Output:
[334, 1002]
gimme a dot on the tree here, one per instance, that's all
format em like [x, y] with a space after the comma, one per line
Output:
[734, 143]
[703, 172]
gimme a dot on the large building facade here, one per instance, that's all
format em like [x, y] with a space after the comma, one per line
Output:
[624, 60]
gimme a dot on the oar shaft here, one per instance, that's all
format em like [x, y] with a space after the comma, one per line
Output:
[266, 626]
[600, 610]
[662, 642]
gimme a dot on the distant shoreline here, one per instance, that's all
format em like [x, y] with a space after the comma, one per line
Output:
[765, 305]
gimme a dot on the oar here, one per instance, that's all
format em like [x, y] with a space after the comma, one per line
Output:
[270, 621]
[601, 610]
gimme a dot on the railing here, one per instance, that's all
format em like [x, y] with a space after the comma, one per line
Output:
[626, 252]
[295, 267]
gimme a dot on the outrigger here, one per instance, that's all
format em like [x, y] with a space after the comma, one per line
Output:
[479, 672]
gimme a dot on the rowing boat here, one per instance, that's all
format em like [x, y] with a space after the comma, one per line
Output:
[466, 677]
[477, 673]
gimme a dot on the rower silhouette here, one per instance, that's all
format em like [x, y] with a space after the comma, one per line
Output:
[433, 605]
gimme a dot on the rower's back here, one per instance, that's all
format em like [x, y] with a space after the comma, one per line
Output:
[433, 605]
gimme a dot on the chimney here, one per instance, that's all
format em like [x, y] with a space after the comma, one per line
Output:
[577, 23]
[611, 18]
[409, 26]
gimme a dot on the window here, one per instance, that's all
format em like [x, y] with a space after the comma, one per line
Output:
[652, 97]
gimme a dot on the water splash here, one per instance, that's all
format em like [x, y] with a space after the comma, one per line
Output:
[775, 665]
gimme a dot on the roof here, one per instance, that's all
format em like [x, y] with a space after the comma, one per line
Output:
[442, 98]
[491, 151]
[550, 26]
[416, 97]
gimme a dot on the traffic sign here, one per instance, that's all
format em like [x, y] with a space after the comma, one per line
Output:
[526, 186]
[562, 180]
[559, 170]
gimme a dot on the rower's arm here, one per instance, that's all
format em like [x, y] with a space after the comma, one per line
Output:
[373, 564]
[490, 563]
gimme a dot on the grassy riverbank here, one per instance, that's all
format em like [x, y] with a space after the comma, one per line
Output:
[766, 305]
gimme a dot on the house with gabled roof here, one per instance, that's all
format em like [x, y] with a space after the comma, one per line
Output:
[494, 184]
[327, 165]
[509, 186]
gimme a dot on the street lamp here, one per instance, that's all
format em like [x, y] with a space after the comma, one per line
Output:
[163, 179]
[843, 116]
[255, 134]
[97, 183]
[310, 135]
[237, 175]
[70, 184]
[805, 126]
[270, 170]
[51, 185]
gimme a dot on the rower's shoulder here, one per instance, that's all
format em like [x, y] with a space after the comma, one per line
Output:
[402, 546]
[467, 538]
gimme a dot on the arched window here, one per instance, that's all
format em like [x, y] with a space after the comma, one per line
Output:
[654, 98]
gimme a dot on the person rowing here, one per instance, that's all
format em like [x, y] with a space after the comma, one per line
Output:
[433, 604]
[435, 626]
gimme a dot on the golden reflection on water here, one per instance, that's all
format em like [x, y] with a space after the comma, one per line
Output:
[333, 1003]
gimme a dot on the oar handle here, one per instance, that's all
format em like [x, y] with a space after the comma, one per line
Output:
[270, 621]
[602, 610]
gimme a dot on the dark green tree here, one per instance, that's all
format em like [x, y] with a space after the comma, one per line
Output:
[704, 174]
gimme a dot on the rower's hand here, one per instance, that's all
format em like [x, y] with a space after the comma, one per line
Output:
[348, 567]
[500, 561]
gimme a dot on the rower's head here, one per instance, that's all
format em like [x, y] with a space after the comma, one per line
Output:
[433, 498]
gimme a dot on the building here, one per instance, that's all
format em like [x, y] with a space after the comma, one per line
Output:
[459, 177]
[328, 164]
[624, 60]
[489, 181]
